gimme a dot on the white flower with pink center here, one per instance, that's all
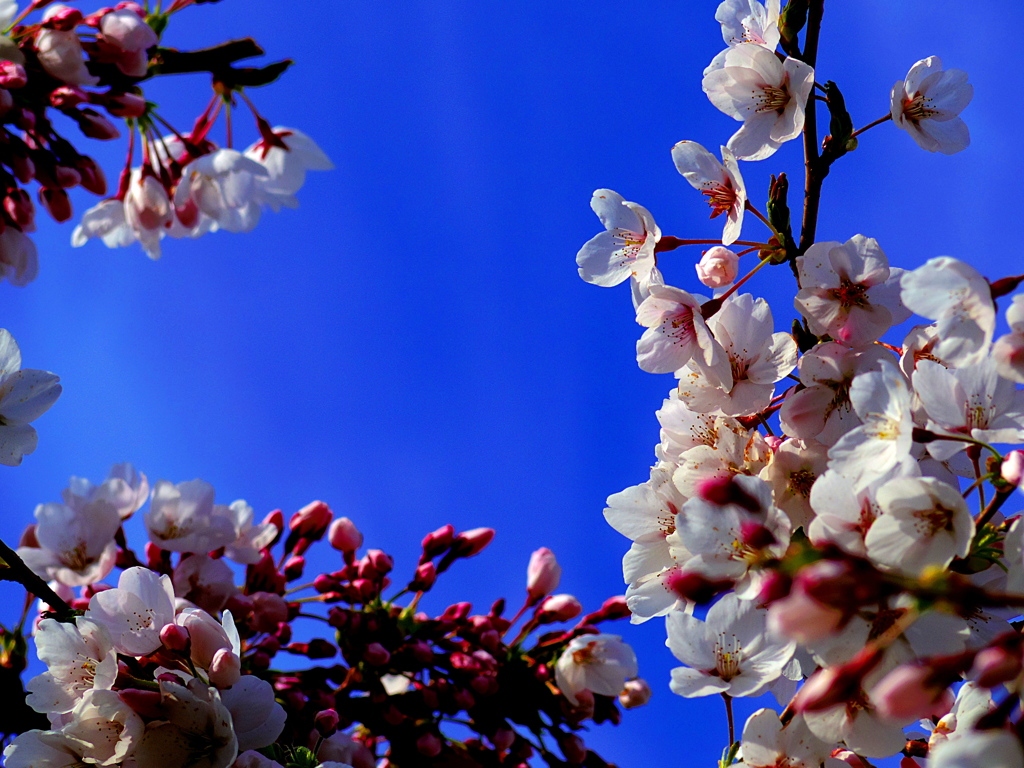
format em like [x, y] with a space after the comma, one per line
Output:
[883, 440]
[767, 743]
[626, 247]
[79, 657]
[183, 518]
[742, 381]
[1008, 351]
[959, 300]
[748, 21]
[676, 332]
[136, 611]
[76, 544]
[767, 95]
[928, 103]
[598, 663]
[736, 450]
[924, 524]
[720, 182]
[848, 291]
[286, 168]
[729, 653]
[822, 409]
[792, 471]
[973, 402]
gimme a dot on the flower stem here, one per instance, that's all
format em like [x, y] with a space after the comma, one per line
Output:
[761, 216]
[728, 713]
[872, 124]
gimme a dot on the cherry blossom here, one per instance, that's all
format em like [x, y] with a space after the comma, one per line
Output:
[183, 518]
[286, 166]
[222, 185]
[60, 52]
[676, 332]
[19, 261]
[25, 395]
[196, 731]
[927, 105]
[76, 543]
[718, 267]
[959, 299]
[924, 523]
[109, 727]
[135, 611]
[255, 717]
[79, 657]
[1008, 351]
[848, 291]
[1002, 749]
[125, 488]
[597, 663]
[767, 95]
[125, 31]
[766, 743]
[720, 182]
[728, 653]
[748, 21]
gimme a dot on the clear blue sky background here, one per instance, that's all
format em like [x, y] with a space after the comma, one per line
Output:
[413, 345]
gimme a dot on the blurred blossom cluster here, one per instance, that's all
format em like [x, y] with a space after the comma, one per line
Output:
[65, 74]
[176, 656]
[843, 492]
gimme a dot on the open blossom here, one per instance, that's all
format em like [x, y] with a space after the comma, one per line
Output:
[676, 332]
[183, 518]
[720, 182]
[25, 395]
[626, 247]
[767, 95]
[79, 657]
[924, 523]
[109, 727]
[286, 167]
[60, 52]
[76, 543]
[748, 21]
[125, 488]
[1008, 351]
[222, 185]
[598, 663]
[728, 653]
[135, 611]
[928, 103]
[959, 300]
[740, 381]
[19, 260]
[767, 743]
[974, 402]
[196, 729]
[848, 291]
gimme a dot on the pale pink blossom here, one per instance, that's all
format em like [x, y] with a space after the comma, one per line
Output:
[25, 395]
[1008, 351]
[598, 663]
[769, 96]
[184, 518]
[196, 729]
[76, 544]
[127, 32]
[720, 182]
[79, 657]
[286, 168]
[60, 52]
[767, 743]
[718, 267]
[136, 611]
[109, 727]
[927, 105]
[676, 332]
[256, 717]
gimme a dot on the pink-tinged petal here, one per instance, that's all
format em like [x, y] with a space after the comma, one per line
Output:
[920, 71]
[608, 205]
[27, 395]
[948, 137]
[10, 354]
[815, 266]
[753, 141]
[941, 394]
[948, 93]
[16, 441]
[696, 164]
[604, 260]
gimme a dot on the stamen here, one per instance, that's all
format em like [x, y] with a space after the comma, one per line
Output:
[721, 198]
[772, 99]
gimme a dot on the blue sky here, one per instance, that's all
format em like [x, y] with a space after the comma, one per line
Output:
[413, 344]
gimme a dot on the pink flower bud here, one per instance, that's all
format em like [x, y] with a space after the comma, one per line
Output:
[293, 567]
[426, 575]
[344, 536]
[56, 202]
[94, 125]
[376, 655]
[558, 608]
[326, 722]
[269, 610]
[696, 587]
[573, 748]
[437, 542]
[311, 521]
[12, 75]
[457, 611]
[909, 693]
[66, 177]
[800, 617]
[125, 105]
[503, 738]
[62, 18]
[724, 490]
[996, 665]
[174, 638]
[381, 562]
[93, 178]
[835, 685]
[635, 694]
[542, 575]
[718, 267]
[225, 669]
[429, 745]
[1012, 470]
[469, 543]
[68, 96]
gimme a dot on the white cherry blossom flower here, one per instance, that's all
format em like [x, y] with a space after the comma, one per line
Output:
[196, 731]
[676, 332]
[1001, 749]
[25, 395]
[974, 402]
[971, 704]
[848, 291]
[105, 220]
[60, 52]
[255, 716]
[791, 472]
[728, 653]
[625, 249]
[109, 727]
[79, 657]
[924, 523]
[767, 95]
[822, 410]
[250, 537]
[147, 211]
[127, 32]
[125, 488]
[136, 611]
[598, 663]
[286, 168]
[76, 544]
[183, 518]
[45, 749]
[735, 451]
[928, 103]
[748, 21]
[959, 299]
[1008, 351]
[720, 182]
[766, 743]
[222, 184]
[19, 260]
[741, 381]
[884, 438]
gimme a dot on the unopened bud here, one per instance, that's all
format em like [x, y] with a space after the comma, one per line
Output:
[376, 655]
[174, 637]
[1012, 469]
[62, 18]
[56, 202]
[68, 96]
[94, 125]
[344, 536]
[472, 542]
[911, 692]
[503, 738]
[836, 685]
[225, 669]
[429, 745]
[542, 575]
[128, 105]
[696, 587]
[558, 608]
[312, 521]
[725, 490]
[326, 722]
[635, 693]
[996, 665]
[437, 542]
[12, 75]
[92, 176]
[718, 267]
[426, 575]
[573, 748]
[293, 567]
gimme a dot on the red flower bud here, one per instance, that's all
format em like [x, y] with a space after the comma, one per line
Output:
[376, 655]
[437, 542]
[426, 575]
[344, 536]
[558, 608]
[472, 542]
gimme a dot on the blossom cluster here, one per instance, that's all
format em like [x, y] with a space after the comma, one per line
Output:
[835, 492]
[179, 664]
[66, 67]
